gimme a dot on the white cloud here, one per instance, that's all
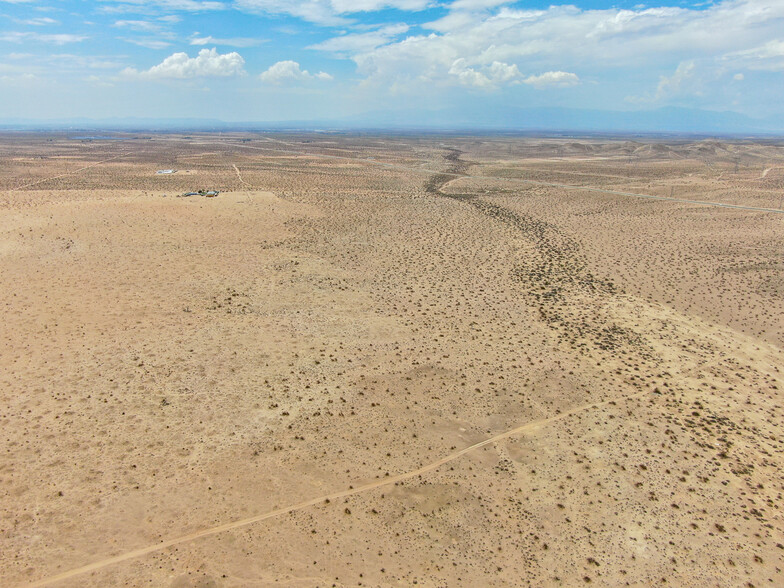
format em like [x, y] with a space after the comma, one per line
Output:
[208, 63]
[677, 82]
[148, 43]
[288, 71]
[608, 44]
[56, 65]
[769, 56]
[316, 11]
[553, 79]
[232, 42]
[190, 5]
[346, 6]
[144, 26]
[39, 21]
[328, 12]
[359, 42]
[98, 81]
[137, 6]
[160, 36]
[56, 39]
[18, 80]
[684, 82]
[477, 4]
[490, 77]
[738, 77]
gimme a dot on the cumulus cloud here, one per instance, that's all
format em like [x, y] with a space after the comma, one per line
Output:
[288, 71]
[490, 77]
[208, 63]
[566, 38]
[553, 79]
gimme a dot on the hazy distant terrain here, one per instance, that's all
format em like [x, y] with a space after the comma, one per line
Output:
[380, 360]
[488, 118]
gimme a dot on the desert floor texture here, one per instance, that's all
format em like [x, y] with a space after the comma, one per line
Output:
[388, 360]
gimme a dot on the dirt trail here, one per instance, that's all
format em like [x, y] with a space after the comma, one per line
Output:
[526, 428]
[543, 340]
[76, 171]
[440, 175]
[239, 175]
[561, 263]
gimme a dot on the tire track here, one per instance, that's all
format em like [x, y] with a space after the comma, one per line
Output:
[71, 173]
[239, 175]
[451, 175]
[136, 553]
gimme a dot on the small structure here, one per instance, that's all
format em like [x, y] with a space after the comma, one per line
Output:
[166, 171]
[207, 193]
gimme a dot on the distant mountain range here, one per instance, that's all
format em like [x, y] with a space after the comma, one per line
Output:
[670, 120]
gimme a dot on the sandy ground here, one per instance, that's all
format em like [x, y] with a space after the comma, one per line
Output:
[386, 361]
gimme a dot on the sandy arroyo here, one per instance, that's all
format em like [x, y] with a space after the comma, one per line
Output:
[390, 360]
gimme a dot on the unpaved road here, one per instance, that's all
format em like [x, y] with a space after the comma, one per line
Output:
[70, 173]
[512, 180]
[521, 430]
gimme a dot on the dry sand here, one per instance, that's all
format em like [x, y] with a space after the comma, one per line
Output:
[390, 360]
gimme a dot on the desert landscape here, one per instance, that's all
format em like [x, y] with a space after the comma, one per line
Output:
[391, 360]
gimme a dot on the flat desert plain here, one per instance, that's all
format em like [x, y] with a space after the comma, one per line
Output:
[389, 360]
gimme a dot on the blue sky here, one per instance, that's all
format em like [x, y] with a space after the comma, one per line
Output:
[278, 60]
